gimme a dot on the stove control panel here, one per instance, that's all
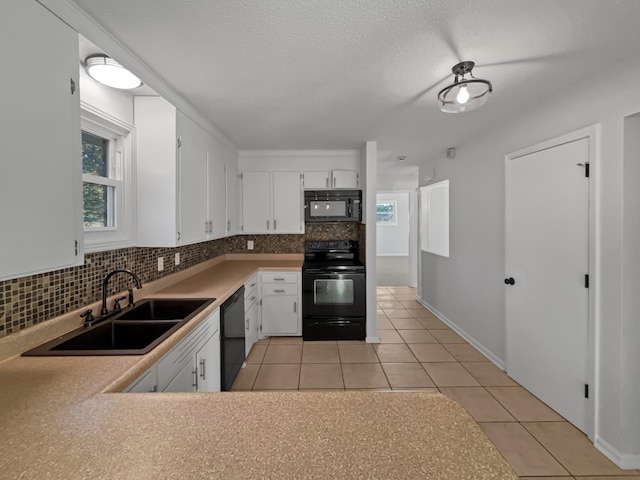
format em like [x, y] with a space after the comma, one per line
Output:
[327, 245]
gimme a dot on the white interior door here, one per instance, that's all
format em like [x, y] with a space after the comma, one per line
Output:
[547, 255]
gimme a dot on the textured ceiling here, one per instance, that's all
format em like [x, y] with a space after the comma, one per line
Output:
[314, 74]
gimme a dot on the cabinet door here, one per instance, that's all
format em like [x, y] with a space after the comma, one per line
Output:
[256, 202]
[232, 197]
[287, 203]
[344, 179]
[217, 195]
[185, 380]
[192, 184]
[147, 382]
[41, 169]
[251, 324]
[313, 180]
[208, 365]
[280, 315]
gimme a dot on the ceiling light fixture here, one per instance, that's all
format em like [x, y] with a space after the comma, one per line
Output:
[464, 94]
[107, 71]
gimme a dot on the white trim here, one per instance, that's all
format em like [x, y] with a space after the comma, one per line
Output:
[477, 345]
[592, 133]
[372, 340]
[300, 153]
[74, 16]
[626, 461]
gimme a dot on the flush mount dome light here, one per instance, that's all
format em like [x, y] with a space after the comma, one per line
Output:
[464, 94]
[107, 71]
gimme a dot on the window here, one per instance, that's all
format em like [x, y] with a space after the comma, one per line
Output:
[107, 181]
[434, 218]
[386, 213]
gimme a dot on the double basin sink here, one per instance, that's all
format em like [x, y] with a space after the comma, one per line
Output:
[132, 331]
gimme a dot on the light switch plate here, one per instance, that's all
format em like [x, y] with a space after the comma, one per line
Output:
[160, 264]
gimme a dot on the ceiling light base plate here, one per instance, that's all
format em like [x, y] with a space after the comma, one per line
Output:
[463, 68]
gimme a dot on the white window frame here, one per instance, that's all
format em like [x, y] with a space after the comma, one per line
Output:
[395, 213]
[121, 176]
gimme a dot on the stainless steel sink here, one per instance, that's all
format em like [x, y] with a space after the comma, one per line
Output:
[134, 331]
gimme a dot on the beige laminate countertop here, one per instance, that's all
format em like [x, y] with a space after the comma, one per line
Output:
[58, 419]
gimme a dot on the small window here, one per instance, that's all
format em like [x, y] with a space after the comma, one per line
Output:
[386, 213]
[107, 181]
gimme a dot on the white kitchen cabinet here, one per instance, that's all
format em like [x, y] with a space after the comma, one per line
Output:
[316, 180]
[256, 202]
[217, 215]
[176, 181]
[344, 179]
[280, 303]
[182, 368]
[272, 202]
[207, 365]
[41, 167]
[147, 382]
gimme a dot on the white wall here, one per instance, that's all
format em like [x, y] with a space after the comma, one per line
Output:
[394, 239]
[300, 160]
[468, 288]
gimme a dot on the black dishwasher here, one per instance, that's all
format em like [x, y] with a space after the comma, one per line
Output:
[232, 348]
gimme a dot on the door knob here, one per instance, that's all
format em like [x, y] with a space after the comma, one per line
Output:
[509, 281]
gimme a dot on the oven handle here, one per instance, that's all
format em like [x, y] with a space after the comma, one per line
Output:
[325, 323]
[315, 271]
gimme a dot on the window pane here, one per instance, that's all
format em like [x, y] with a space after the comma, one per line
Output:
[386, 212]
[95, 158]
[98, 205]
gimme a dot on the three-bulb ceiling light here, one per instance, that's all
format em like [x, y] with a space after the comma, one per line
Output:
[464, 94]
[107, 71]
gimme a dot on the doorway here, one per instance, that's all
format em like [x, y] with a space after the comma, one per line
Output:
[548, 258]
[396, 265]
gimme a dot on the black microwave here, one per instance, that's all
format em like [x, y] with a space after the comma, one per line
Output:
[325, 206]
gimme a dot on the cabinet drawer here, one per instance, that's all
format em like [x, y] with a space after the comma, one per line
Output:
[285, 289]
[279, 277]
[250, 300]
[250, 286]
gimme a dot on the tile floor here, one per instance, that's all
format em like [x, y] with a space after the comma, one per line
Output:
[419, 352]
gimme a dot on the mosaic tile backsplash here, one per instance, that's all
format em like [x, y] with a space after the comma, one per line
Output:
[34, 299]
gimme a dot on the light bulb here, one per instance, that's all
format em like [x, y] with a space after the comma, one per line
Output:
[463, 95]
[315, 206]
[328, 206]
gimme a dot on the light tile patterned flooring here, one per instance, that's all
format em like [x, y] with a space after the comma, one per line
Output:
[419, 352]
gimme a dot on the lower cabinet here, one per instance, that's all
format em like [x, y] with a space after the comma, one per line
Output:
[251, 313]
[193, 365]
[280, 305]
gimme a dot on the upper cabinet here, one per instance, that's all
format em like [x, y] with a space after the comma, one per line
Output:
[272, 202]
[41, 169]
[182, 181]
[334, 179]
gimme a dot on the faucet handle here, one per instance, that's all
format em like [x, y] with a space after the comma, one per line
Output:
[131, 302]
[88, 317]
[116, 304]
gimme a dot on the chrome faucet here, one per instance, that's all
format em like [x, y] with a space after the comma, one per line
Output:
[104, 309]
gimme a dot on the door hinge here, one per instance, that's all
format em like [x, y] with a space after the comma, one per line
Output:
[586, 170]
[241, 177]
[73, 86]
[179, 142]
[77, 248]
[586, 390]
[260, 305]
[242, 228]
[586, 281]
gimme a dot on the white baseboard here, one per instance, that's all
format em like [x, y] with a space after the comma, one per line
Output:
[478, 346]
[372, 340]
[626, 461]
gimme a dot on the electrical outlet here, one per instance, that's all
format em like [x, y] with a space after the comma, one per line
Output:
[249, 244]
[177, 259]
[160, 264]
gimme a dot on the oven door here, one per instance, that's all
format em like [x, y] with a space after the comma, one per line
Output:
[333, 294]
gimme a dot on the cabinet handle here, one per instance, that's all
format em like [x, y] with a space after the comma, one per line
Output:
[279, 291]
[252, 298]
[195, 378]
[278, 279]
[252, 285]
[154, 389]
[228, 224]
[203, 366]
[274, 224]
[326, 182]
[267, 224]
[246, 324]
[334, 182]
[295, 307]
